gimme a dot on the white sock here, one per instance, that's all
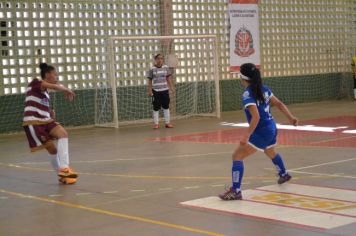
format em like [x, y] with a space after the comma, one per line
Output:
[167, 116]
[63, 155]
[156, 117]
[53, 158]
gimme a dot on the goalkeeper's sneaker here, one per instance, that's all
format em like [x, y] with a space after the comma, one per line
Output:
[66, 180]
[156, 126]
[67, 173]
[284, 178]
[169, 125]
[231, 194]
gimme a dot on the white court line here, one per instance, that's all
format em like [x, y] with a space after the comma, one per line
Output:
[14, 165]
[323, 164]
[218, 185]
[332, 140]
[130, 198]
[81, 194]
[110, 192]
[322, 174]
[192, 187]
[312, 128]
[350, 131]
[161, 192]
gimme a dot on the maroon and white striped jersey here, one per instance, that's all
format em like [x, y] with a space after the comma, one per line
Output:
[37, 105]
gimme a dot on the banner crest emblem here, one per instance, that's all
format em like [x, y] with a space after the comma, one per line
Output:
[244, 42]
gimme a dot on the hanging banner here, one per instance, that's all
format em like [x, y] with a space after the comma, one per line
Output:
[244, 33]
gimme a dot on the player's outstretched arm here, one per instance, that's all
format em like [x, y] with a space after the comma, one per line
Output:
[69, 94]
[274, 101]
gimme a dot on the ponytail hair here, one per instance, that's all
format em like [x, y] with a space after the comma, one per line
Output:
[253, 77]
[45, 68]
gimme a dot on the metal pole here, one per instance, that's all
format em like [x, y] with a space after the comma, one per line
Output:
[113, 82]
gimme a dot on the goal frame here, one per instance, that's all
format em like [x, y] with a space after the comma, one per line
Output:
[111, 65]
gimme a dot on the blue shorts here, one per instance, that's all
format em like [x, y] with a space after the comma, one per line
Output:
[265, 138]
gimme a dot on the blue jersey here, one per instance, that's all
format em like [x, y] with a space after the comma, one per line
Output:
[266, 119]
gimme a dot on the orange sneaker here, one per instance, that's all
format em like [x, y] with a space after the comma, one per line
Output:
[67, 173]
[169, 125]
[156, 127]
[65, 180]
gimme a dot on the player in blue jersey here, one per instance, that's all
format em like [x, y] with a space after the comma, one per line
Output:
[262, 131]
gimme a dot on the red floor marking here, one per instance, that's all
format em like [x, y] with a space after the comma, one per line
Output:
[285, 137]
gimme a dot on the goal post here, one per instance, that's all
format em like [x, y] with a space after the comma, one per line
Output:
[122, 96]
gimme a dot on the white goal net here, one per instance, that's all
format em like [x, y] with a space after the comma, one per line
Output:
[122, 96]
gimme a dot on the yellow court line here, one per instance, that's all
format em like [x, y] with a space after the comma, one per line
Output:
[138, 176]
[120, 175]
[156, 176]
[114, 214]
[342, 208]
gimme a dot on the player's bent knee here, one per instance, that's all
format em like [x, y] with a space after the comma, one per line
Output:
[59, 132]
[52, 149]
[62, 133]
[236, 156]
[65, 134]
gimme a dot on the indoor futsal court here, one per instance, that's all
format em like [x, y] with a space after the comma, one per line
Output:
[135, 181]
[152, 97]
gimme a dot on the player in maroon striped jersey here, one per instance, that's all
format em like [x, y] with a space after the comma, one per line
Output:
[40, 126]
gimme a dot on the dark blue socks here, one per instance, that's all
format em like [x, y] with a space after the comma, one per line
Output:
[278, 162]
[237, 173]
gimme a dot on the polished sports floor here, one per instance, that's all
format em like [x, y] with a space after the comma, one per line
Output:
[138, 181]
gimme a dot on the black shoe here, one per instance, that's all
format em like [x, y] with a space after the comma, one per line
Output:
[231, 194]
[284, 178]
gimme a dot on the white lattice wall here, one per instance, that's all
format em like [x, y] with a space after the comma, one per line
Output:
[298, 37]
